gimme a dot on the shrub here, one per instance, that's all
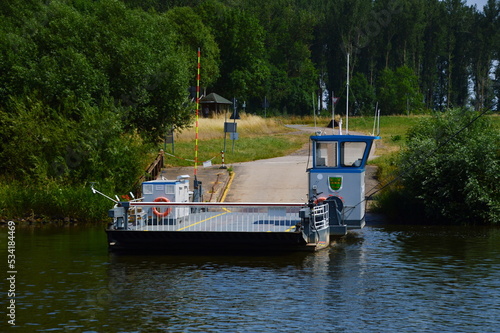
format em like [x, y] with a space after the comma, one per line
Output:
[451, 170]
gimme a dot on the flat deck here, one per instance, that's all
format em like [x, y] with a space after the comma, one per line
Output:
[217, 226]
[275, 221]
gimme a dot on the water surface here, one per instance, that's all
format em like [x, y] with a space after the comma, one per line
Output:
[382, 278]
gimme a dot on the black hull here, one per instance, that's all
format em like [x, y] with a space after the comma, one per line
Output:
[175, 241]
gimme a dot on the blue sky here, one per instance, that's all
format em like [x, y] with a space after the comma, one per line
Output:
[479, 3]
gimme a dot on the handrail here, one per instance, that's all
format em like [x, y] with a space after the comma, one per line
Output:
[219, 204]
[213, 216]
[152, 172]
[320, 217]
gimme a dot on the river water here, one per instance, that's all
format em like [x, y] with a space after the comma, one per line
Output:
[384, 278]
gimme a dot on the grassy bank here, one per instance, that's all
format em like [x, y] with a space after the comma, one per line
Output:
[266, 138]
[258, 138]
[51, 202]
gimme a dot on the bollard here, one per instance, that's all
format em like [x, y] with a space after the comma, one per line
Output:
[223, 166]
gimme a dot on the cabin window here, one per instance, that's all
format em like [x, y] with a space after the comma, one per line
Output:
[147, 189]
[326, 154]
[169, 189]
[352, 153]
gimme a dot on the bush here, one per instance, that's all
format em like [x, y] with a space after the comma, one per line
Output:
[451, 171]
[39, 145]
[52, 202]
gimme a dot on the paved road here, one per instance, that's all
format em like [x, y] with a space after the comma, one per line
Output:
[281, 179]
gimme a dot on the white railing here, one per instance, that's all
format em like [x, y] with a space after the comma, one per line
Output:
[320, 215]
[220, 217]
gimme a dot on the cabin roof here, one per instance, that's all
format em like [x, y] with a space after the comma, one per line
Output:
[344, 138]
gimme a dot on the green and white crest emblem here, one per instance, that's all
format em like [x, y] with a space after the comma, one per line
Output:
[335, 183]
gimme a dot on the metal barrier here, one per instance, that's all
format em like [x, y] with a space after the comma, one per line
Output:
[152, 172]
[320, 215]
[217, 217]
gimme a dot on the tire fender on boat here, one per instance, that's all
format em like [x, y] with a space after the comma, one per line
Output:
[166, 212]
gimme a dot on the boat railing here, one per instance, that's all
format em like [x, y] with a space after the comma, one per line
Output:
[218, 217]
[320, 215]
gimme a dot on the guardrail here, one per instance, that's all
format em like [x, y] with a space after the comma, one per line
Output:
[320, 216]
[219, 217]
[152, 172]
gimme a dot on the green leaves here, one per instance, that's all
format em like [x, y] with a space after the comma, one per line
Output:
[65, 54]
[452, 177]
[399, 91]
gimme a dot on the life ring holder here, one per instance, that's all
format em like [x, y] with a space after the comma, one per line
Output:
[166, 212]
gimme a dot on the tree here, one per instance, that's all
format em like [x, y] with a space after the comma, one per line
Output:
[345, 30]
[485, 40]
[240, 37]
[363, 94]
[399, 91]
[293, 77]
[451, 169]
[191, 33]
[456, 58]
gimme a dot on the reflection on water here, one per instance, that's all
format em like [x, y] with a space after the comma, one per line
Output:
[383, 278]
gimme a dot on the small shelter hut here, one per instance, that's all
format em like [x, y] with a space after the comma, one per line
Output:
[214, 104]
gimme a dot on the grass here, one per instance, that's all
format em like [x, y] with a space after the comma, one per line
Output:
[248, 126]
[261, 138]
[51, 202]
[258, 138]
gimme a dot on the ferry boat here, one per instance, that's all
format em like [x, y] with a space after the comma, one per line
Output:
[166, 218]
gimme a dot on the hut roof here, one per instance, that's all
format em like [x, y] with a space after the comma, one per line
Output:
[214, 98]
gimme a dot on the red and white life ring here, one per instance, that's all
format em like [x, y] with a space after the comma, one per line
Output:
[166, 212]
[319, 200]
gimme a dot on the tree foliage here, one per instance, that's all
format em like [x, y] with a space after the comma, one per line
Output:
[451, 169]
[66, 63]
[398, 91]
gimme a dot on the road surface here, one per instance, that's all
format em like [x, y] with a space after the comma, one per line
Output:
[281, 179]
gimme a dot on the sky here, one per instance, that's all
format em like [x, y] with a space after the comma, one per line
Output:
[479, 3]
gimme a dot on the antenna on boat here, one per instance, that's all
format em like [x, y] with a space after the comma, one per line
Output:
[375, 118]
[104, 195]
[378, 122]
[314, 111]
[347, 100]
[333, 112]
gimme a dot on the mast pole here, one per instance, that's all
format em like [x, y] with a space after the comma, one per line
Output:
[197, 116]
[347, 100]
[333, 112]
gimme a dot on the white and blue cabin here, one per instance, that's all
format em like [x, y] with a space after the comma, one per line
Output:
[338, 170]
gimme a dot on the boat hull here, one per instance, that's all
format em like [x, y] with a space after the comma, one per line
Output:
[131, 240]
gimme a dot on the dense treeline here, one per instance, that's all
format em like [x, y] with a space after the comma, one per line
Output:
[441, 54]
[86, 86]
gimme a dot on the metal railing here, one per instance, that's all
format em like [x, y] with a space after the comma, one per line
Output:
[320, 215]
[152, 172]
[217, 217]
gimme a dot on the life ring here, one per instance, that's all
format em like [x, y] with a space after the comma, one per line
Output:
[319, 200]
[166, 212]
